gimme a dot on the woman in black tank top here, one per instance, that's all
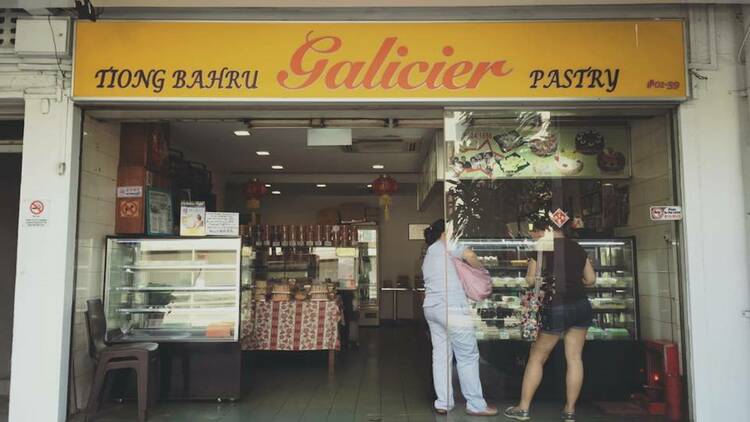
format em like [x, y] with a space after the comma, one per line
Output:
[566, 312]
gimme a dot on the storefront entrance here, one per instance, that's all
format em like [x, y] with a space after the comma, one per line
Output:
[264, 228]
[521, 183]
[219, 160]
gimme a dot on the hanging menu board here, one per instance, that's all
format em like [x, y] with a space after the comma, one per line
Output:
[585, 152]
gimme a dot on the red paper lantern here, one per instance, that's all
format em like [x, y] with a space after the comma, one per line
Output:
[384, 186]
[254, 190]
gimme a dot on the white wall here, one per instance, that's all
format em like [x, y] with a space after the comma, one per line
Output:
[652, 184]
[96, 220]
[44, 281]
[712, 128]
[399, 256]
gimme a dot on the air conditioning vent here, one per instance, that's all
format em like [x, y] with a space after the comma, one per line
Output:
[8, 18]
[382, 145]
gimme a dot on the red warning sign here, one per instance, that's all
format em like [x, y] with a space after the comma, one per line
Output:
[36, 207]
[559, 217]
[129, 209]
[666, 213]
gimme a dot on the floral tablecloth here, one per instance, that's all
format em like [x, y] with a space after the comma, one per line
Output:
[294, 325]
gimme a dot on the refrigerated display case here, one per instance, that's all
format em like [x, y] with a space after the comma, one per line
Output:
[368, 275]
[613, 297]
[172, 289]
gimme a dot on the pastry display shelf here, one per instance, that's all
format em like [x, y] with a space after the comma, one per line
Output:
[493, 268]
[587, 289]
[152, 283]
[612, 310]
[614, 264]
[178, 289]
[597, 269]
[167, 310]
[206, 267]
[178, 335]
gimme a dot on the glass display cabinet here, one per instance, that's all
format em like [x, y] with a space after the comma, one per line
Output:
[613, 297]
[172, 289]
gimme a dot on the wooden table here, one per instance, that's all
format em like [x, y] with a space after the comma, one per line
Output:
[292, 326]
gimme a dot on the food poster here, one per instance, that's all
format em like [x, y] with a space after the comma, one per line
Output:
[159, 216]
[193, 218]
[589, 152]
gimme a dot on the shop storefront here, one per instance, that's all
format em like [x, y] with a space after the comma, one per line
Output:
[584, 117]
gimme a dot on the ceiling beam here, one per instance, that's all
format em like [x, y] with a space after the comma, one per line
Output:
[311, 178]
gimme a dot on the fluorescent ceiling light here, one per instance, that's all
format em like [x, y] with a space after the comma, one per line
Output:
[420, 123]
[321, 185]
[268, 185]
[277, 167]
[378, 166]
[276, 192]
[349, 123]
[283, 123]
[369, 186]
[264, 153]
[242, 132]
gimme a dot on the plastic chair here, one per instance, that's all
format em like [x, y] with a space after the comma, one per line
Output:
[143, 358]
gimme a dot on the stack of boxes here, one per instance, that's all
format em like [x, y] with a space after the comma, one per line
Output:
[144, 165]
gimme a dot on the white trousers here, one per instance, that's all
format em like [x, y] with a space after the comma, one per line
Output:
[452, 333]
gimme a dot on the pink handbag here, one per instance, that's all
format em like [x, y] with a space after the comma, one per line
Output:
[476, 282]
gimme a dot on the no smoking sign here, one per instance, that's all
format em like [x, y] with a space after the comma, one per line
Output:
[36, 207]
[665, 213]
[129, 208]
[36, 212]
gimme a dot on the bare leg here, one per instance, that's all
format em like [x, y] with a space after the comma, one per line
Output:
[574, 340]
[538, 355]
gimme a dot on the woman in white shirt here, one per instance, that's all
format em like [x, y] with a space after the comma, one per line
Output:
[451, 328]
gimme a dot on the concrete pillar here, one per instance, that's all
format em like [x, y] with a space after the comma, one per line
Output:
[712, 128]
[45, 264]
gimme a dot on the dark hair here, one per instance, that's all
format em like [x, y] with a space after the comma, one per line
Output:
[433, 233]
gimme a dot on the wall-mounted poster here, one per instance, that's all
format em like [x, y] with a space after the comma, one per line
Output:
[159, 212]
[193, 218]
[222, 224]
[587, 152]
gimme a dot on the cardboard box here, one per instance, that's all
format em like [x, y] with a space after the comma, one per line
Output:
[145, 145]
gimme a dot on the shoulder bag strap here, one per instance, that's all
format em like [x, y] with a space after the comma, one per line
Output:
[538, 275]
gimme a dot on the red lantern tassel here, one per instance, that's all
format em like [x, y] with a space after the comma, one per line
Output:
[385, 203]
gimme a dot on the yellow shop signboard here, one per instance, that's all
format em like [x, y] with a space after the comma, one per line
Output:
[356, 61]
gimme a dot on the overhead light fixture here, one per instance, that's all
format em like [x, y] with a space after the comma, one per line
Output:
[277, 167]
[242, 132]
[321, 185]
[350, 123]
[378, 166]
[268, 185]
[420, 123]
[283, 123]
[276, 192]
[369, 186]
[263, 153]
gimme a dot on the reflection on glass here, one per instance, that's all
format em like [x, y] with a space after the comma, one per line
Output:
[510, 173]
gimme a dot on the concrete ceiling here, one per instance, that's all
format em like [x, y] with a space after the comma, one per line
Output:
[378, 3]
[216, 144]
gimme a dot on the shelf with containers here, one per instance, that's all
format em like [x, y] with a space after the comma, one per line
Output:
[172, 289]
[613, 297]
